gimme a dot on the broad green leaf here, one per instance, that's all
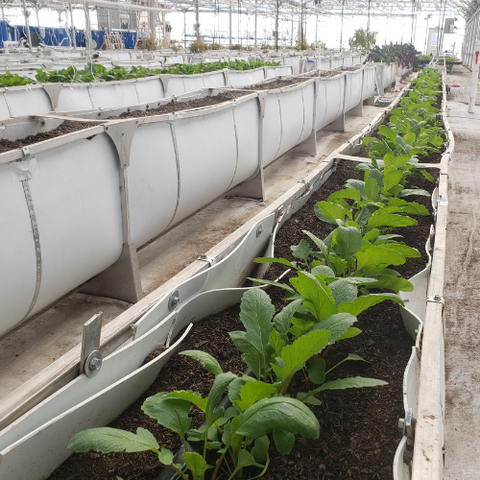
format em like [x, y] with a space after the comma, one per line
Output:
[295, 355]
[234, 388]
[414, 191]
[302, 251]
[316, 299]
[351, 382]
[330, 212]
[276, 342]
[195, 463]
[260, 449]
[316, 371]
[172, 413]
[390, 220]
[284, 441]
[392, 282]
[244, 459]
[391, 180]
[346, 241]
[209, 362]
[219, 385]
[192, 397]
[253, 391]
[387, 133]
[350, 193]
[337, 325]
[106, 440]
[309, 399]
[339, 264]
[372, 189]
[320, 244]
[277, 413]
[350, 333]
[283, 261]
[343, 291]
[250, 355]
[283, 319]
[366, 301]
[256, 312]
[263, 281]
[165, 456]
[377, 256]
[410, 138]
[323, 270]
[415, 209]
[349, 357]
[405, 250]
[302, 324]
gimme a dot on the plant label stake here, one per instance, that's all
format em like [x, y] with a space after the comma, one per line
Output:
[474, 81]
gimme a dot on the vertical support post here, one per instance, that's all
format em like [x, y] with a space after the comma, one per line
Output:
[153, 21]
[316, 28]
[230, 25]
[474, 80]
[276, 26]
[255, 41]
[302, 47]
[341, 28]
[27, 25]
[197, 21]
[185, 28]
[88, 28]
[73, 29]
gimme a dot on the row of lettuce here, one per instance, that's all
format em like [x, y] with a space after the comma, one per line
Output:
[331, 283]
[95, 72]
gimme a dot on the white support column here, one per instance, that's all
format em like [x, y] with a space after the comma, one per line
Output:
[474, 81]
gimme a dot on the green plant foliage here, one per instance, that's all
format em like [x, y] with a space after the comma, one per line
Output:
[362, 39]
[402, 53]
[11, 80]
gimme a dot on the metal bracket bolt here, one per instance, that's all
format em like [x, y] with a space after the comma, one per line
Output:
[259, 230]
[174, 300]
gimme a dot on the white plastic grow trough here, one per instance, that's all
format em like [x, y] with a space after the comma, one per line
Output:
[287, 120]
[369, 88]
[83, 222]
[45, 430]
[354, 92]
[330, 100]
[58, 97]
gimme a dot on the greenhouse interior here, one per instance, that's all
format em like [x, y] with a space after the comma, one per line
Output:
[236, 238]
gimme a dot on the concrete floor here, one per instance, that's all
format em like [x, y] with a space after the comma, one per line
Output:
[43, 340]
[462, 294]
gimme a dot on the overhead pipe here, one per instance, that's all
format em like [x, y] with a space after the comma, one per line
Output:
[122, 6]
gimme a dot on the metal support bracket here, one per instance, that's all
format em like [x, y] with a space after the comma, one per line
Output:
[436, 299]
[164, 79]
[53, 91]
[121, 280]
[91, 359]
[206, 258]
[252, 188]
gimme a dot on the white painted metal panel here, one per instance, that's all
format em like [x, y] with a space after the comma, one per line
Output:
[292, 116]
[74, 97]
[207, 156]
[37, 454]
[17, 252]
[323, 63]
[113, 94]
[193, 82]
[77, 202]
[4, 111]
[175, 86]
[247, 131]
[271, 130]
[149, 89]
[152, 181]
[331, 94]
[214, 79]
[368, 82]
[347, 61]
[239, 78]
[336, 61]
[25, 101]
[308, 96]
[272, 72]
[353, 89]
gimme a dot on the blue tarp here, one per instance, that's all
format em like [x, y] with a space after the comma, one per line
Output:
[60, 36]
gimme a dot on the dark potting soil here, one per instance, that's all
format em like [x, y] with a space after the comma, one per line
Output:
[73, 126]
[64, 128]
[175, 106]
[358, 434]
[276, 84]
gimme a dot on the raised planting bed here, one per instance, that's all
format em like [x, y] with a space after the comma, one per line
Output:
[358, 428]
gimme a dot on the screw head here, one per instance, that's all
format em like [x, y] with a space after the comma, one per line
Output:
[259, 230]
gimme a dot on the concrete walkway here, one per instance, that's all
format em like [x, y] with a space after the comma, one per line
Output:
[462, 292]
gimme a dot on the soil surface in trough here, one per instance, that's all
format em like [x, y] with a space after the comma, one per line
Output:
[72, 126]
[64, 128]
[358, 427]
[276, 84]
